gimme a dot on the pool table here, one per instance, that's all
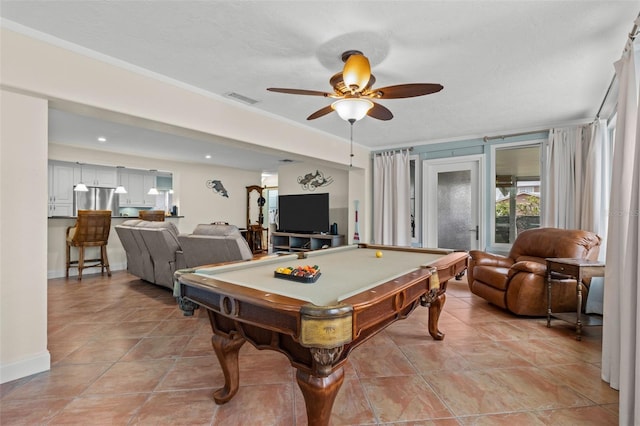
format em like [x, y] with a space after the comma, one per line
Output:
[361, 290]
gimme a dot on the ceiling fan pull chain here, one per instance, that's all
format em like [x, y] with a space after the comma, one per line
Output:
[351, 140]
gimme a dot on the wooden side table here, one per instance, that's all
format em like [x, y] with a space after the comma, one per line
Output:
[573, 269]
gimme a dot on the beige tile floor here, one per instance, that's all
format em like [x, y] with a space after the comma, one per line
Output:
[123, 354]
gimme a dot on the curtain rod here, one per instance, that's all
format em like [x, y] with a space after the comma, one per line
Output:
[490, 138]
[393, 150]
[632, 36]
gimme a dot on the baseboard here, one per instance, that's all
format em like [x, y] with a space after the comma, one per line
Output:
[26, 367]
[73, 272]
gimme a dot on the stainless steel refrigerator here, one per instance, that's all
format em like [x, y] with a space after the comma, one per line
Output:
[96, 199]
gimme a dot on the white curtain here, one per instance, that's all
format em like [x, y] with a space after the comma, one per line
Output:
[595, 199]
[576, 178]
[620, 342]
[576, 186]
[596, 182]
[562, 172]
[391, 203]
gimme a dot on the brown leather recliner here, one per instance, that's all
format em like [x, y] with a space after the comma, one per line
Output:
[517, 282]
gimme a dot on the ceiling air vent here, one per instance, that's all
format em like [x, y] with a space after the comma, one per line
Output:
[241, 98]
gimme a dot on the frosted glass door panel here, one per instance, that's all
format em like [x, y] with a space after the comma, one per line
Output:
[454, 210]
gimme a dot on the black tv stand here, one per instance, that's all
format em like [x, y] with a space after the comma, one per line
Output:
[296, 242]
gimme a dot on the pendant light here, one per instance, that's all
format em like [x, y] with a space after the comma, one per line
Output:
[153, 190]
[80, 187]
[120, 189]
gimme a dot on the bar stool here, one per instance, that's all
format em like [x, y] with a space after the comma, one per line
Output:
[152, 215]
[91, 230]
[255, 237]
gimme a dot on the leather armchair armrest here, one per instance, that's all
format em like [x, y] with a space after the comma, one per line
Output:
[529, 267]
[481, 258]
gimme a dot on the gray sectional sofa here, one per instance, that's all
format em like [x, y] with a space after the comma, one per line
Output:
[155, 250]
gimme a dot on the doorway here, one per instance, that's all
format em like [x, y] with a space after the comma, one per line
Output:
[451, 203]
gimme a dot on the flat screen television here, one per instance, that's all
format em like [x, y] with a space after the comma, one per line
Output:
[303, 213]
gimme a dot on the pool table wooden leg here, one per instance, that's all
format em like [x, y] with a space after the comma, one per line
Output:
[434, 315]
[227, 351]
[319, 394]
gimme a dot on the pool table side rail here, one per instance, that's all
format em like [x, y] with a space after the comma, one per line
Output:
[394, 300]
[451, 266]
[254, 306]
[442, 251]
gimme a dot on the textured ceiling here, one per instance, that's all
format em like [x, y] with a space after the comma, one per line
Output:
[506, 66]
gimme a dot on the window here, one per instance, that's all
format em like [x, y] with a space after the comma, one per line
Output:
[517, 191]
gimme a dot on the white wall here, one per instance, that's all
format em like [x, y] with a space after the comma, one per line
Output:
[338, 190]
[23, 225]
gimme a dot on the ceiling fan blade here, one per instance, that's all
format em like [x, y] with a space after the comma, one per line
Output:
[299, 92]
[405, 90]
[321, 112]
[380, 112]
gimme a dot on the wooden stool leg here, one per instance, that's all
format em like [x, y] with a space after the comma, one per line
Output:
[68, 259]
[80, 261]
[105, 260]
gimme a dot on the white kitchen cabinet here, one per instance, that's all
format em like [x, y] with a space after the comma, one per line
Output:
[60, 188]
[137, 183]
[102, 176]
[58, 209]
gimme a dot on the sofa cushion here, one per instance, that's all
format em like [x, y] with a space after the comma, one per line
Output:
[139, 261]
[131, 222]
[216, 229]
[555, 242]
[169, 226]
[495, 277]
[163, 247]
[201, 250]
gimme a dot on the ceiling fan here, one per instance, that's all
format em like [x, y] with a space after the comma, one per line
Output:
[354, 92]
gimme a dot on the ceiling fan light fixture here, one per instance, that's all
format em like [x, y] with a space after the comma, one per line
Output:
[352, 108]
[356, 72]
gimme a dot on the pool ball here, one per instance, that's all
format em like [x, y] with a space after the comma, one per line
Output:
[378, 254]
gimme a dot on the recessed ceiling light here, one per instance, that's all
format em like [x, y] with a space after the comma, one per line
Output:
[102, 139]
[207, 156]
